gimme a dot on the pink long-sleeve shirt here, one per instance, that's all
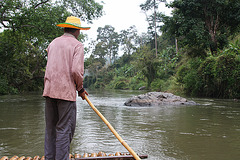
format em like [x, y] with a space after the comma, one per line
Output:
[65, 68]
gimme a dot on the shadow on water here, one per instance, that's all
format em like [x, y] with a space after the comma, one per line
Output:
[207, 131]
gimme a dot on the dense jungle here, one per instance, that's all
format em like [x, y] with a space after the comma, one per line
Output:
[195, 51]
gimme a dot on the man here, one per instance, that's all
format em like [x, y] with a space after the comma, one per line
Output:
[63, 78]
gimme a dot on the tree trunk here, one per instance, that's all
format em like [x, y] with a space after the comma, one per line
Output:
[212, 25]
[176, 43]
[155, 25]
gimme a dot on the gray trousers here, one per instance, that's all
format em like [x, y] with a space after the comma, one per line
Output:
[60, 117]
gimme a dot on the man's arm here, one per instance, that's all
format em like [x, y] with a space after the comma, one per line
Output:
[78, 71]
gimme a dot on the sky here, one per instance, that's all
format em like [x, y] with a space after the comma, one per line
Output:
[121, 14]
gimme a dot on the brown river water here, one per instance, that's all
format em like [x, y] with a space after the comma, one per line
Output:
[209, 131]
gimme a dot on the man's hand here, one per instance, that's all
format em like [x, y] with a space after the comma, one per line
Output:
[82, 94]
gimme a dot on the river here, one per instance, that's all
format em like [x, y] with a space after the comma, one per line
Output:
[210, 131]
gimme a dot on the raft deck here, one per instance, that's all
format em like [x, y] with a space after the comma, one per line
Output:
[86, 156]
[128, 157]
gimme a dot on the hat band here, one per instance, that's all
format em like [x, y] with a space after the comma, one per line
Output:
[74, 24]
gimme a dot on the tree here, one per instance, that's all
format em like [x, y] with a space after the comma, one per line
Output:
[146, 63]
[143, 39]
[108, 41]
[149, 5]
[203, 23]
[128, 40]
[88, 10]
[29, 26]
[13, 10]
[100, 52]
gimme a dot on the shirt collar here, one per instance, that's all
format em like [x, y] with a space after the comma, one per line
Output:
[68, 34]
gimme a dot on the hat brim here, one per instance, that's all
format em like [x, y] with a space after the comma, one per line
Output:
[70, 25]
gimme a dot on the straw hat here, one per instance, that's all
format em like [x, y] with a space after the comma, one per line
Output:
[72, 22]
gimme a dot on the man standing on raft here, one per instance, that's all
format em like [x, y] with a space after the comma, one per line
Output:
[63, 77]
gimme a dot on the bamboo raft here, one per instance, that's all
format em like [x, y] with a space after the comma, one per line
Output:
[85, 156]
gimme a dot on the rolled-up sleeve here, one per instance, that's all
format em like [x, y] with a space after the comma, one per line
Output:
[78, 67]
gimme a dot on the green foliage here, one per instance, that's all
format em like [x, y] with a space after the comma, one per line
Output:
[124, 60]
[168, 61]
[99, 83]
[197, 26]
[107, 43]
[191, 71]
[139, 69]
[166, 41]
[206, 74]
[227, 76]
[152, 5]
[21, 62]
[3, 86]
[136, 82]
[128, 39]
[133, 83]
[188, 76]
[89, 81]
[29, 26]
[87, 10]
[213, 77]
[119, 83]
[146, 63]
[158, 85]
[232, 48]
[203, 24]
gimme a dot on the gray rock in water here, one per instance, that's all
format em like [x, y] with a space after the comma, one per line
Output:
[157, 99]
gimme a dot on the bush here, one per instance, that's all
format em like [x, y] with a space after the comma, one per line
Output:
[206, 76]
[175, 87]
[217, 77]
[160, 85]
[136, 82]
[89, 81]
[120, 85]
[192, 83]
[3, 86]
[99, 84]
[227, 76]
[188, 76]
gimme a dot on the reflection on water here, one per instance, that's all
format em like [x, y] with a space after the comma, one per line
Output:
[208, 131]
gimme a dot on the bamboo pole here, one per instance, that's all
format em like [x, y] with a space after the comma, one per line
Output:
[113, 130]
